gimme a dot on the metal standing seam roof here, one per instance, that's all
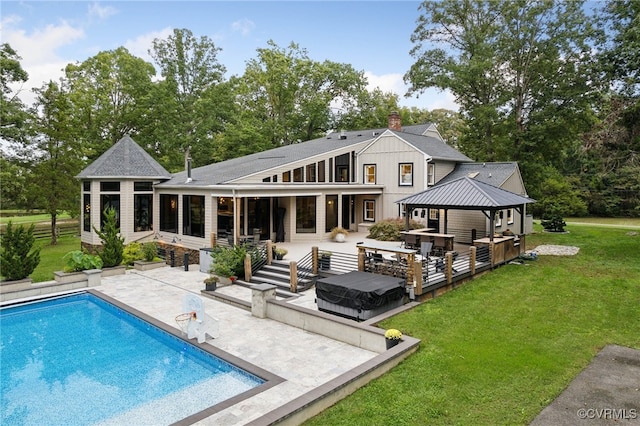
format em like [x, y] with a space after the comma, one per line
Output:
[466, 194]
[125, 159]
[231, 170]
[494, 174]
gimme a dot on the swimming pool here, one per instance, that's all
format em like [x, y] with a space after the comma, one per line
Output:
[79, 359]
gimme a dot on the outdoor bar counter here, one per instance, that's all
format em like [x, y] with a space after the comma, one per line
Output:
[505, 248]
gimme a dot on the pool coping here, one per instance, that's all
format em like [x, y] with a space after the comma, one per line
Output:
[270, 379]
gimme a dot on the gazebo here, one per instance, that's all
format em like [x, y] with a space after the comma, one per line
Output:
[466, 193]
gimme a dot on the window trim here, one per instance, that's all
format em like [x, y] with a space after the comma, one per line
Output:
[366, 174]
[366, 209]
[431, 174]
[401, 174]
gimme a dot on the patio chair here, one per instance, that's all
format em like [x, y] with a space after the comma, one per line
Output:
[203, 324]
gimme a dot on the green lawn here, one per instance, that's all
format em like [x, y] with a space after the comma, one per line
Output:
[35, 218]
[51, 257]
[499, 349]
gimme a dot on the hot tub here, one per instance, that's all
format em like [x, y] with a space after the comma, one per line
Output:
[359, 295]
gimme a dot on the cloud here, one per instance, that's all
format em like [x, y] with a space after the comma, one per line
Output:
[38, 51]
[94, 10]
[141, 45]
[431, 98]
[244, 26]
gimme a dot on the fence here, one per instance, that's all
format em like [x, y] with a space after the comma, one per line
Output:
[41, 232]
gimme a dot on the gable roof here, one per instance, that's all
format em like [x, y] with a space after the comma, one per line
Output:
[494, 174]
[466, 194]
[231, 170]
[125, 159]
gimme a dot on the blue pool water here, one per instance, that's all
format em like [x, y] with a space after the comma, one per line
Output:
[81, 360]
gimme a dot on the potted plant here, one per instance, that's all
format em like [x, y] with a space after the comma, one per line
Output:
[76, 262]
[324, 260]
[280, 253]
[392, 337]
[227, 263]
[211, 283]
[339, 234]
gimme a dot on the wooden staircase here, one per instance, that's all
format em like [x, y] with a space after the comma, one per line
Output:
[278, 274]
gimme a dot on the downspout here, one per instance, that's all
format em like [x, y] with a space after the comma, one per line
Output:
[235, 217]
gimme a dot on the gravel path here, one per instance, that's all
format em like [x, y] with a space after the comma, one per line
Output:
[553, 250]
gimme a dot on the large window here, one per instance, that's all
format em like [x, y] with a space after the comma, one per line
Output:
[406, 174]
[311, 173]
[342, 168]
[369, 213]
[193, 215]
[86, 212]
[297, 174]
[169, 213]
[321, 171]
[143, 206]
[331, 213]
[370, 173]
[305, 215]
[109, 201]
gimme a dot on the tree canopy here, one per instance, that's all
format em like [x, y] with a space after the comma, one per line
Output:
[540, 82]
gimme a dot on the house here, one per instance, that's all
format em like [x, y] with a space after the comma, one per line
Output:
[296, 192]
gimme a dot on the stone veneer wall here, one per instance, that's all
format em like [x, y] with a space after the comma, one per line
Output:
[194, 255]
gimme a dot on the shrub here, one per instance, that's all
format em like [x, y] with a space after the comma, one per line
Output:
[131, 253]
[552, 219]
[18, 259]
[228, 262]
[149, 251]
[389, 229]
[77, 261]
[112, 243]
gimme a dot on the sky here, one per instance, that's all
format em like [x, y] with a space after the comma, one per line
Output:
[371, 36]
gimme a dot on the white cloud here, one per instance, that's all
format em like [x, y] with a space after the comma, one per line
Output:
[431, 99]
[100, 12]
[244, 26]
[38, 51]
[141, 45]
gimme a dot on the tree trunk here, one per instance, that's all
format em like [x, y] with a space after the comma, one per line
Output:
[54, 236]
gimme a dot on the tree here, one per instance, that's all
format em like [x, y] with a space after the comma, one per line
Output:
[13, 114]
[112, 243]
[18, 258]
[111, 93]
[522, 72]
[55, 154]
[291, 95]
[192, 103]
[13, 181]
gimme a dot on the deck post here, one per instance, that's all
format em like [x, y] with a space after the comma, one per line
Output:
[293, 273]
[417, 274]
[472, 260]
[247, 267]
[314, 260]
[269, 252]
[449, 266]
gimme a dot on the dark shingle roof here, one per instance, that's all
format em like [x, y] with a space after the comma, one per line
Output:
[492, 173]
[466, 194]
[236, 168]
[125, 159]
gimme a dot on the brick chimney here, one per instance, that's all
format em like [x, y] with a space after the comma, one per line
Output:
[395, 122]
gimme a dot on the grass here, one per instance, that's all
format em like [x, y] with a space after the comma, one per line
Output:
[36, 218]
[51, 257]
[499, 349]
